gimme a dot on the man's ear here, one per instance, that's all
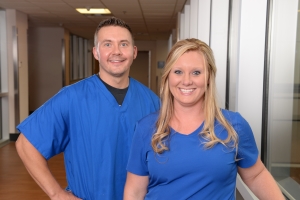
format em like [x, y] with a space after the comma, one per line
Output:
[95, 53]
[135, 51]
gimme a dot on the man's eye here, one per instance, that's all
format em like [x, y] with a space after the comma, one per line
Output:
[196, 73]
[124, 44]
[107, 44]
[177, 72]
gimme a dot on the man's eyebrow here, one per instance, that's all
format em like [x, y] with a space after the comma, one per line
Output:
[125, 41]
[105, 41]
[108, 40]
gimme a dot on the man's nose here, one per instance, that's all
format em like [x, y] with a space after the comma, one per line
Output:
[116, 49]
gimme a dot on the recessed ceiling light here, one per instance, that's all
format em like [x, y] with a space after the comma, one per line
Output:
[102, 11]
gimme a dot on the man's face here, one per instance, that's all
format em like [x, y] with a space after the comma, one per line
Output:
[115, 52]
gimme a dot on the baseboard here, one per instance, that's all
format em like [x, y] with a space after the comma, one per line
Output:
[4, 142]
[13, 136]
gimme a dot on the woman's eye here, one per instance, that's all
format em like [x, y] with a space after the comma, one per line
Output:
[177, 72]
[196, 73]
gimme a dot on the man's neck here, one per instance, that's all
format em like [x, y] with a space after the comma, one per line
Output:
[116, 82]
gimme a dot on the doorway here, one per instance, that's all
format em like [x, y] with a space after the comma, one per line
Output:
[140, 68]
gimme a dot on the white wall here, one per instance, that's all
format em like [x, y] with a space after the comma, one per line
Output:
[16, 62]
[4, 77]
[219, 44]
[16, 51]
[193, 18]
[3, 49]
[248, 53]
[45, 64]
[251, 63]
[22, 25]
[186, 19]
[208, 21]
[203, 24]
[10, 23]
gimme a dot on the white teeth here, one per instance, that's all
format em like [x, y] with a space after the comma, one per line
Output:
[186, 90]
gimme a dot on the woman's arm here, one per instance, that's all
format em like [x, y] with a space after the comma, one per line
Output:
[261, 182]
[135, 187]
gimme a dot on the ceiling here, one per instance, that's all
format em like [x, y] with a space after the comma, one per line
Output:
[148, 19]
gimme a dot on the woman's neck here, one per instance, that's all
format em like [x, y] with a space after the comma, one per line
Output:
[187, 119]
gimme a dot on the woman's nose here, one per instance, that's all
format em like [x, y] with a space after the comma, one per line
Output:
[187, 79]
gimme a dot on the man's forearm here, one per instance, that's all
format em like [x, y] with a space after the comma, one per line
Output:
[37, 167]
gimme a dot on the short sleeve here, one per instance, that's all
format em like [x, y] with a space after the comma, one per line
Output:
[46, 128]
[247, 150]
[137, 163]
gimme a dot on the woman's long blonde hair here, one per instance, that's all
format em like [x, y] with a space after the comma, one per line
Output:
[211, 109]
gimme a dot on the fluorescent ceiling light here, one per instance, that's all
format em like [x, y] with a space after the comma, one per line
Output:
[93, 10]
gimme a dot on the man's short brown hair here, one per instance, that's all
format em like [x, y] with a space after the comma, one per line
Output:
[113, 21]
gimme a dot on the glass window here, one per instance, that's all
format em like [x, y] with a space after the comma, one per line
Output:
[283, 97]
[78, 58]
[4, 136]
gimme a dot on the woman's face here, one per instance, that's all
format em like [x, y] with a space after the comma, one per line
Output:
[187, 79]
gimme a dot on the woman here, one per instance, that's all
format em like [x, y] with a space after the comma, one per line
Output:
[192, 149]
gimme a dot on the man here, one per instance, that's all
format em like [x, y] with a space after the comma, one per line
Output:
[91, 121]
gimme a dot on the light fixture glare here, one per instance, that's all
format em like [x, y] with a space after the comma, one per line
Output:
[93, 11]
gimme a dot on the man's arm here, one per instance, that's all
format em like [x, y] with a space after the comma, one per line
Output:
[261, 182]
[135, 187]
[37, 167]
